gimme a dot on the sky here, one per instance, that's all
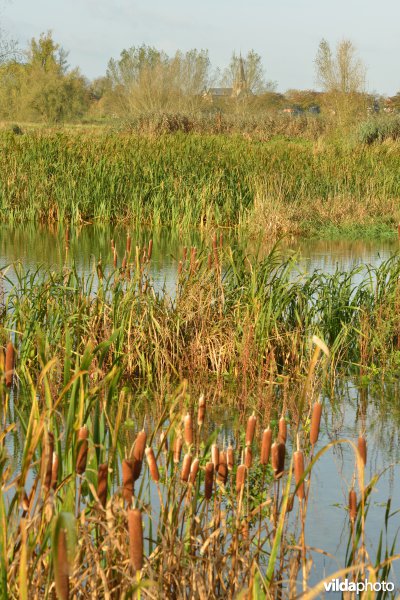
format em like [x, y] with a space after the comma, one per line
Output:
[286, 33]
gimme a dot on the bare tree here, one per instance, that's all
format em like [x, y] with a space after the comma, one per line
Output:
[341, 71]
[254, 73]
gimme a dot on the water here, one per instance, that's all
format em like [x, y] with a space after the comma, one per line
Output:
[376, 408]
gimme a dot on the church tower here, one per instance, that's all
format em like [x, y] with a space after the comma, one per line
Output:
[240, 83]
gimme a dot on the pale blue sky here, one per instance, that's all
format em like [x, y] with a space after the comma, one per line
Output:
[285, 32]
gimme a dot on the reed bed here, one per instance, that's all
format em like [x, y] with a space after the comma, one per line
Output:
[99, 502]
[287, 186]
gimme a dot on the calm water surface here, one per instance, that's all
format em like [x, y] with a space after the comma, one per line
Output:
[376, 408]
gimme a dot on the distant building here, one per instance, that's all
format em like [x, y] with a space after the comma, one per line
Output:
[239, 88]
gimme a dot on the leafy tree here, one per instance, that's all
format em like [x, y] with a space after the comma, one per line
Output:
[256, 81]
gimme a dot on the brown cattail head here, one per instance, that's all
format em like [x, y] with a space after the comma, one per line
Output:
[178, 443]
[150, 249]
[188, 429]
[112, 245]
[352, 505]
[54, 472]
[248, 457]
[194, 470]
[128, 243]
[135, 530]
[2, 360]
[315, 422]
[266, 446]
[138, 453]
[151, 460]
[202, 410]
[222, 475]
[187, 461]
[215, 455]
[362, 449]
[180, 267]
[298, 461]
[81, 458]
[282, 435]
[102, 483]
[250, 429]
[208, 480]
[127, 481]
[47, 460]
[61, 570]
[115, 258]
[240, 478]
[10, 362]
[278, 458]
[230, 457]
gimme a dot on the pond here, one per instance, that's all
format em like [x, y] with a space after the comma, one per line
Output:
[374, 408]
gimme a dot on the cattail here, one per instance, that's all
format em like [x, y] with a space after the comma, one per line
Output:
[178, 443]
[151, 459]
[298, 461]
[222, 475]
[2, 360]
[81, 458]
[180, 266]
[184, 256]
[352, 505]
[138, 453]
[128, 243]
[251, 427]
[240, 478]
[187, 461]
[115, 259]
[150, 250]
[215, 455]
[278, 458]
[127, 481]
[362, 449]
[47, 461]
[135, 530]
[208, 480]
[266, 446]
[315, 422]
[61, 566]
[245, 530]
[188, 429]
[282, 435]
[248, 457]
[54, 472]
[193, 470]
[10, 360]
[202, 410]
[102, 483]
[112, 245]
[123, 266]
[193, 253]
[230, 457]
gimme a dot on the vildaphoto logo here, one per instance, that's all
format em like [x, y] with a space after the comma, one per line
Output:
[337, 585]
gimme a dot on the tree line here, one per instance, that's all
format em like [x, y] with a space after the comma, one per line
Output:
[37, 84]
